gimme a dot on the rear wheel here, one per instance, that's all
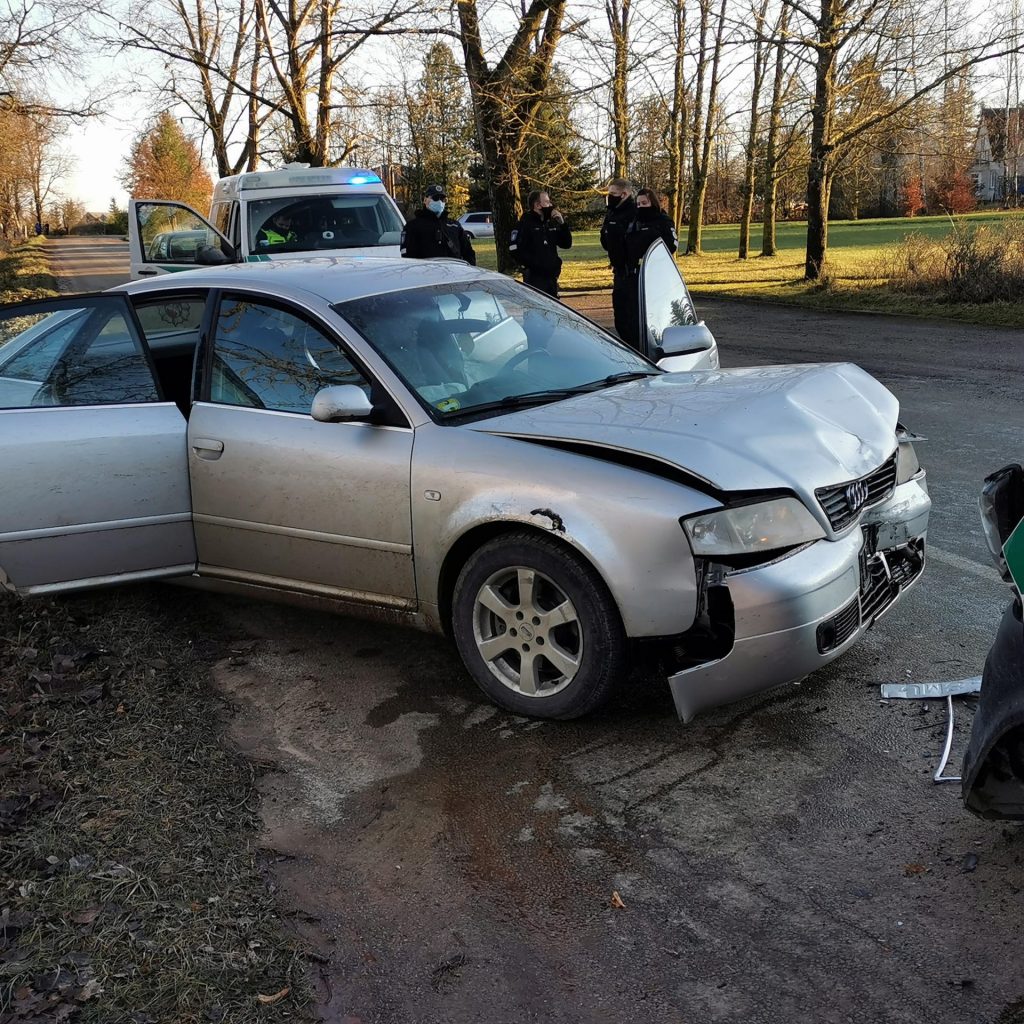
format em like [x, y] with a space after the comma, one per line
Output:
[537, 628]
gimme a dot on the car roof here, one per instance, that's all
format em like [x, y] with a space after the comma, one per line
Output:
[334, 279]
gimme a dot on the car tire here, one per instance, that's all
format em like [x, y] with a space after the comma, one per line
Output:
[469, 234]
[537, 628]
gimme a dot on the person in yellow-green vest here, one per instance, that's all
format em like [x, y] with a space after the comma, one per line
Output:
[277, 231]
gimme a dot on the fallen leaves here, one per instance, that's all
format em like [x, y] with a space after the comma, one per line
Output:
[617, 901]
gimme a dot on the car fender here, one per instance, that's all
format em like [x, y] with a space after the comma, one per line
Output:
[624, 521]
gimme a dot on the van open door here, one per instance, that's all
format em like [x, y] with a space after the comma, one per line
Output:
[166, 237]
[670, 333]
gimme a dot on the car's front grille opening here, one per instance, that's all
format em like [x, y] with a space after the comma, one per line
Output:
[844, 502]
[834, 632]
[882, 577]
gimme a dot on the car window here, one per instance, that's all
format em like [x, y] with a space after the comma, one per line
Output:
[76, 355]
[169, 323]
[667, 301]
[172, 233]
[265, 357]
[463, 346]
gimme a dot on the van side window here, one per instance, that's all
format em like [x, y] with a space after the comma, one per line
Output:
[221, 215]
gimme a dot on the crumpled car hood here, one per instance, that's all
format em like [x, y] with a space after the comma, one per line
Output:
[757, 428]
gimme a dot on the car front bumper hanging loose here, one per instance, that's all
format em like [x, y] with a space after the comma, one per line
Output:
[796, 614]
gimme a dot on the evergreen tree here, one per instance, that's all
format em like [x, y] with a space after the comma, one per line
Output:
[440, 130]
[553, 157]
[166, 164]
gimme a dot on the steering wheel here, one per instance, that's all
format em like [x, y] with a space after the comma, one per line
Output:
[525, 354]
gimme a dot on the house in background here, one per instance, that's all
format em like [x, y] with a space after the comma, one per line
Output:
[998, 168]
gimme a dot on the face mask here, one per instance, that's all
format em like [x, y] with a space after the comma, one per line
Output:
[545, 212]
[613, 201]
[436, 206]
[646, 212]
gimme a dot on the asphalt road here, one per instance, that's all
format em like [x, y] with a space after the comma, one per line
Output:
[783, 859]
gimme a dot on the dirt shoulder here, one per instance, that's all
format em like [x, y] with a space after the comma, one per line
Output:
[133, 885]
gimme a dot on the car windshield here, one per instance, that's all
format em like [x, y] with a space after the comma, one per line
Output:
[489, 346]
[320, 222]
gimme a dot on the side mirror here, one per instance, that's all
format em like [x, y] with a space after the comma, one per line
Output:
[685, 340]
[213, 256]
[340, 403]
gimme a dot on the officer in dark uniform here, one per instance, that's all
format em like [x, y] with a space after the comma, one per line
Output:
[648, 225]
[541, 232]
[430, 233]
[618, 217]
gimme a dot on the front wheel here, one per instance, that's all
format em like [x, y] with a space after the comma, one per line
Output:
[537, 628]
[469, 234]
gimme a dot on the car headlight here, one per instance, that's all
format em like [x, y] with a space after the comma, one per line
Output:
[907, 464]
[749, 529]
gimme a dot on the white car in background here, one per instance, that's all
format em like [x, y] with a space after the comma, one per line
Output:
[478, 224]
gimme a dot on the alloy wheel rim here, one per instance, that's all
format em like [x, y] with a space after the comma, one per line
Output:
[528, 632]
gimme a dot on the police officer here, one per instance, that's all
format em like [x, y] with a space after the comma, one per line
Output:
[619, 215]
[277, 231]
[649, 223]
[430, 233]
[541, 232]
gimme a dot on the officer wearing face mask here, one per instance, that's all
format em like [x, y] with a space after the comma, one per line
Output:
[649, 223]
[541, 232]
[430, 233]
[619, 215]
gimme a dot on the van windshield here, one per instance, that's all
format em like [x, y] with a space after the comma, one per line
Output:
[322, 222]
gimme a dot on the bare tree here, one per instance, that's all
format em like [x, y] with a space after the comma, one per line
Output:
[677, 114]
[709, 60]
[840, 32]
[759, 65]
[618, 12]
[506, 97]
[773, 149]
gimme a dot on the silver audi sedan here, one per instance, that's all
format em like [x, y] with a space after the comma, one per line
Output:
[433, 443]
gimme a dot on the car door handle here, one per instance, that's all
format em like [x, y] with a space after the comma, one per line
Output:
[146, 273]
[208, 448]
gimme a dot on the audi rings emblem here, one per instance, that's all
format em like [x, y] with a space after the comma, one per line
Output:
[857, 495]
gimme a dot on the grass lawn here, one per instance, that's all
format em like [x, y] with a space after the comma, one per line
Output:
[25, 273]
[858, 251]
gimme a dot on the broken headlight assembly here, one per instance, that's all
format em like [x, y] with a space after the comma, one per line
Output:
[907, 464]
[764, 526]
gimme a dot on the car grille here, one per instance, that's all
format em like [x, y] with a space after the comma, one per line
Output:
[844, 502]
[882, 577]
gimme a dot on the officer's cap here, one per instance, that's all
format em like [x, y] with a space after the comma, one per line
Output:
[433, 192]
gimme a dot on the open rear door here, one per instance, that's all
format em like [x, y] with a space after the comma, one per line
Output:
[670, 332]
[166, 237]
[95, 466]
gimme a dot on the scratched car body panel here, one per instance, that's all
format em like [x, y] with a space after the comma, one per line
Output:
[432, 443]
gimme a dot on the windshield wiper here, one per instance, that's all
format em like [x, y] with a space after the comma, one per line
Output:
[530, 397]
[554, 394]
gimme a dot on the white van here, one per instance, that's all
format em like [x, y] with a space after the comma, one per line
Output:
[265, 215]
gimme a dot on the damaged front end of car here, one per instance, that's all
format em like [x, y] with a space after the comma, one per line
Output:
[783, 591]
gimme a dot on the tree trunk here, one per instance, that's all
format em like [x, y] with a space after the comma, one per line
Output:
[677, 117]
[771, 157]
[819, 169]
[749, 156]
[702, 164]
[505, 101]
[618, 22]
[819, 185]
